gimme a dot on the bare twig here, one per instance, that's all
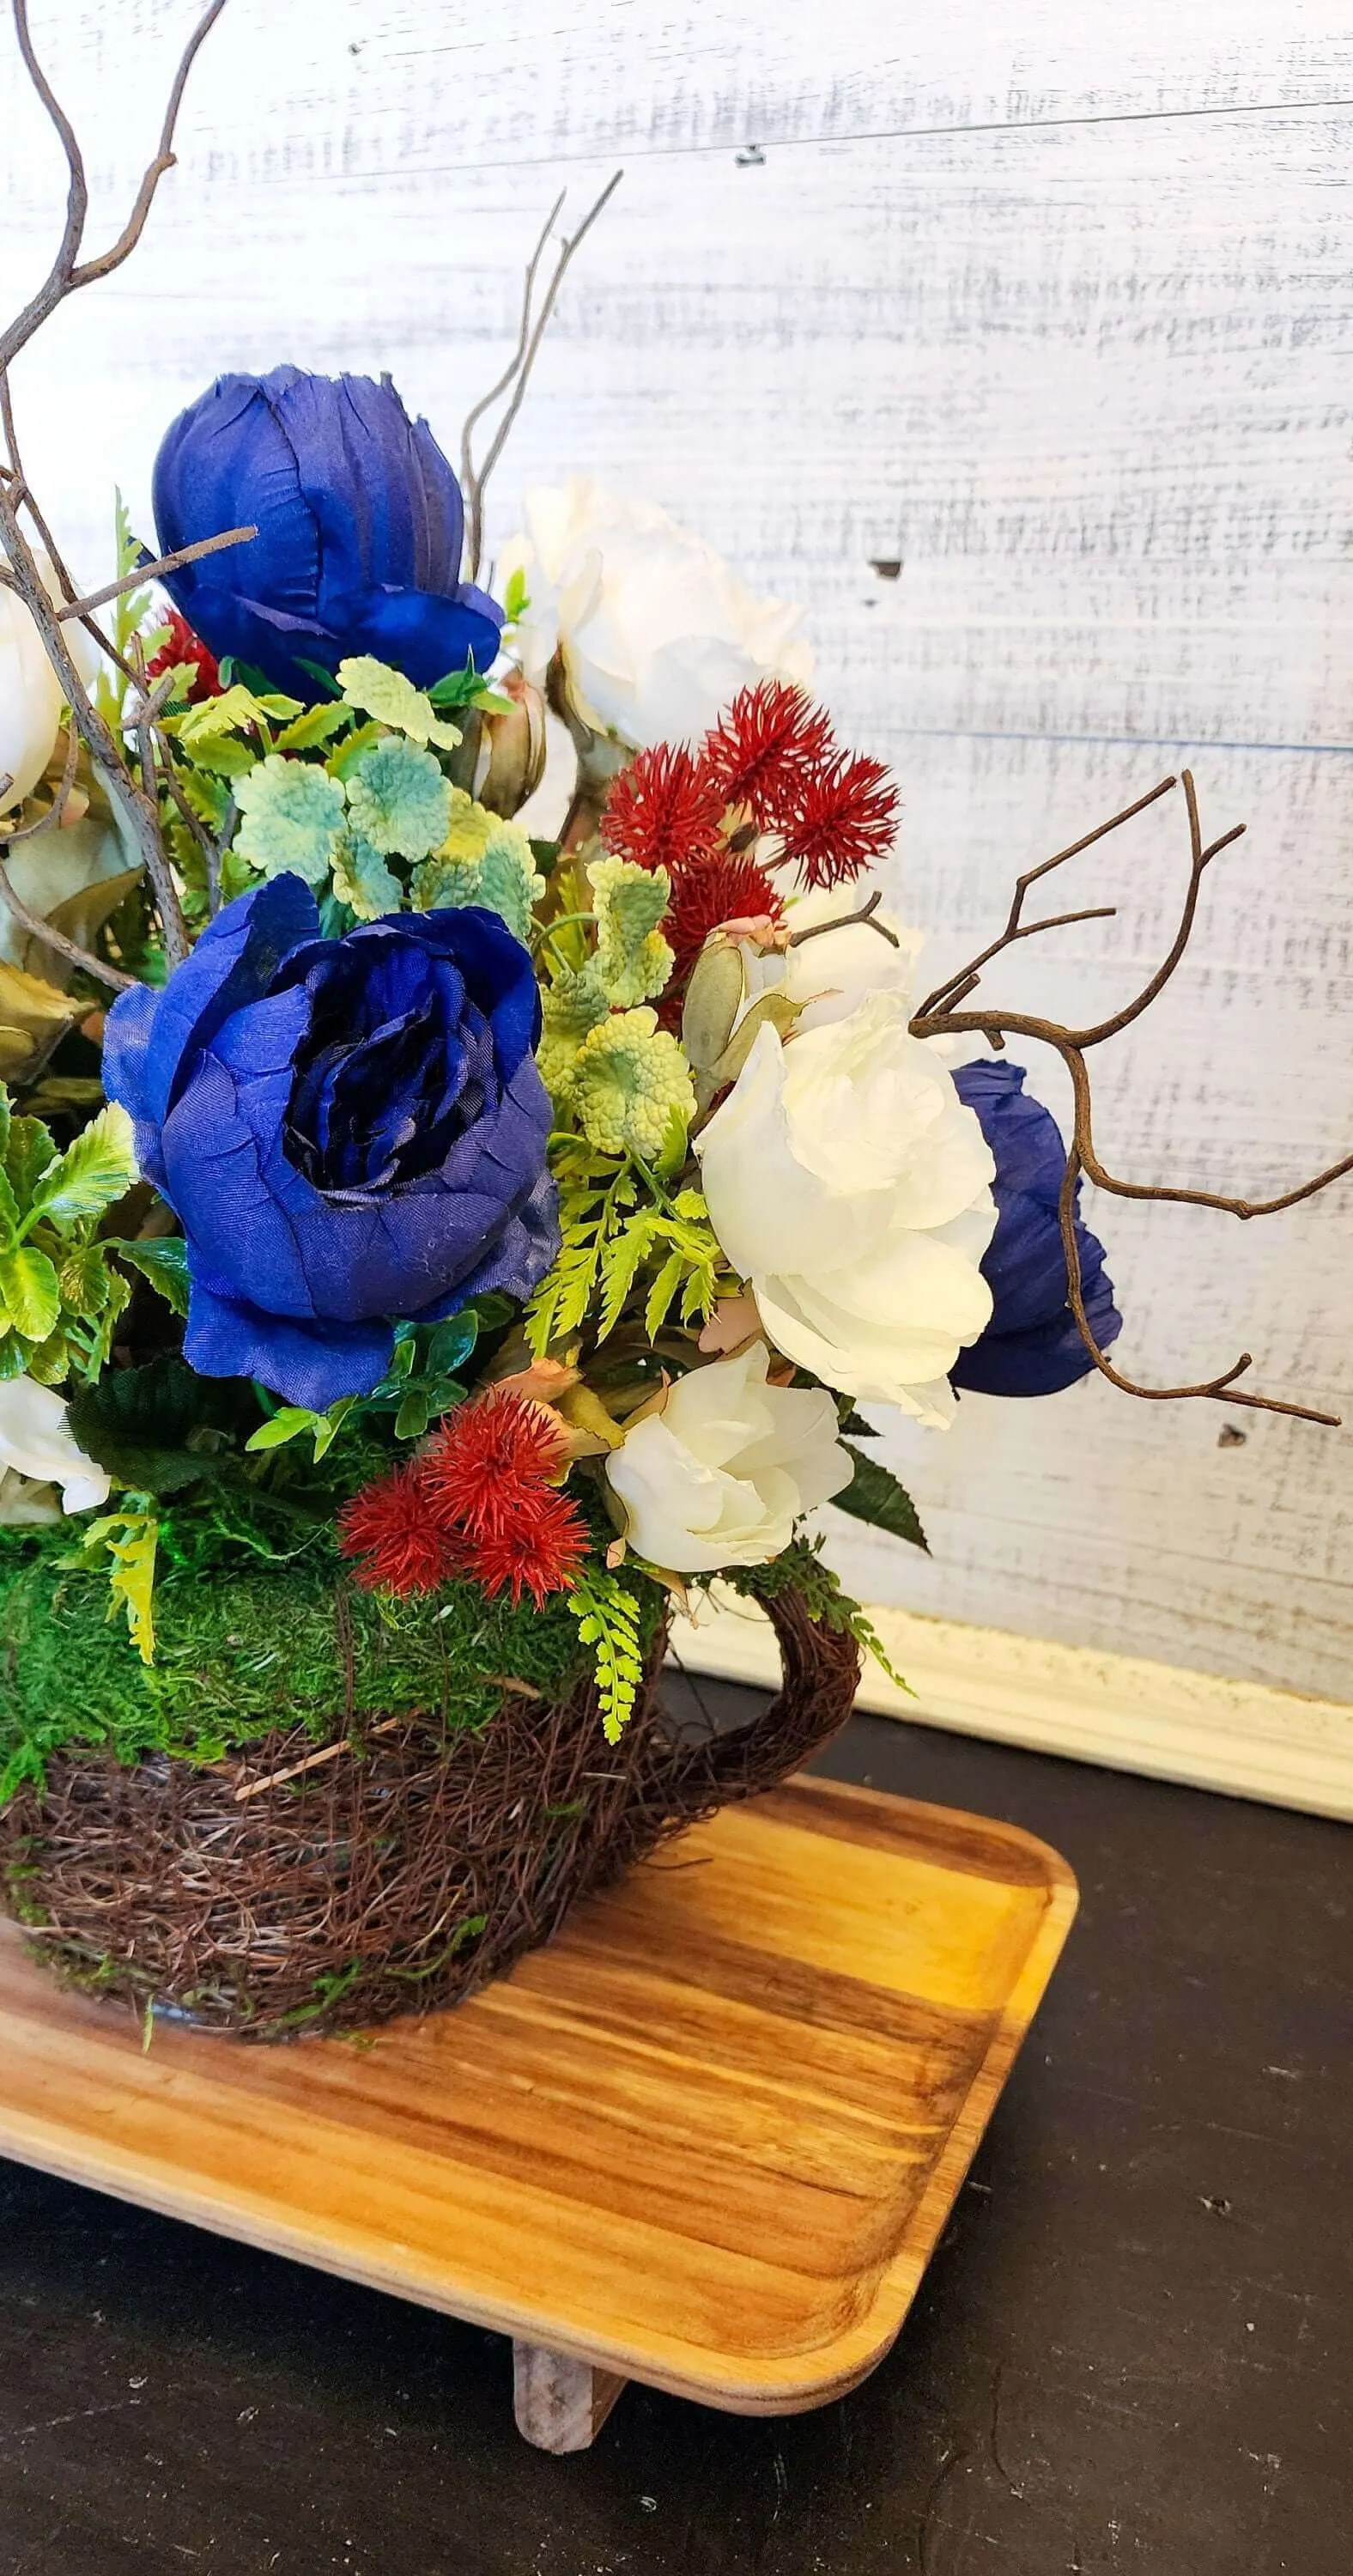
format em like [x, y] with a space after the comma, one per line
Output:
[141, 809]
[845, 920]
[68, 272]
[152, 571]
[518, 375]
[211, 849]
[22, 496]
[485, 402]
[1222, 1387]
[965, 974]
[158, 869]
[51, 814]
[56, 940]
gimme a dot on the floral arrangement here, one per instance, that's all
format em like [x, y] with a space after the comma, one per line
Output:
[427, 1210]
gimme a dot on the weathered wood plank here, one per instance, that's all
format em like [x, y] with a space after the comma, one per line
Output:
[1086, 383]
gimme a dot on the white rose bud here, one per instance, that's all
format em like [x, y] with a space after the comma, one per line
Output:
[725, 1471]
[850, 1188]
[36, 1441]
[654, 631]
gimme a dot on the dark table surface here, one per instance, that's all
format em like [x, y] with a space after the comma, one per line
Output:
[1133, 2350]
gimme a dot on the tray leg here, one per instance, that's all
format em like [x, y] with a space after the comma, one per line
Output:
[559, 2404]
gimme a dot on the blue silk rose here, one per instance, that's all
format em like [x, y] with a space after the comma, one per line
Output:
[350, 1131]
[360, 527]
[1032, 1345]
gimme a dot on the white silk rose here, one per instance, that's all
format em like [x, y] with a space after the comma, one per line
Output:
[850, 1188]
[723, 1474]
[654, 631]
[37, 1444]
[31, 697]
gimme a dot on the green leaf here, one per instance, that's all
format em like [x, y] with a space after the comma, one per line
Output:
[294, 816]
[5, 1121]
[131, 1539]
[399, 801]
[318, 724]
[451, 1343]
[160, 1427]
[379, 691]
[362, 880]
[31, 1292]
[9, 1215]
[289, 1421]
[83, 1280]
[118, 1299]
[874, 1495]
[515, 598]
[30, 1151]
[456, 688]
[97, 1169]
[226, 758]
[661, 1293]
[411, 1421]
[163, 1260]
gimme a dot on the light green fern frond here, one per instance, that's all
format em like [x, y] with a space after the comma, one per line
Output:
[608, 1622]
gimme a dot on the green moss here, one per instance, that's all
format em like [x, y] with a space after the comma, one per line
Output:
[243, 1646]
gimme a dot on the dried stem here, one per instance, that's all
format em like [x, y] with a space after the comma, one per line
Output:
[152, 571]
[68, 272]
[518, 373]
[56, 940]
[941, 1016]
[845, 921]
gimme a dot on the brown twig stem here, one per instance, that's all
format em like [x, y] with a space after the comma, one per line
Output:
[819, 929]
[68, 272]
[518, 373]
[152, 571]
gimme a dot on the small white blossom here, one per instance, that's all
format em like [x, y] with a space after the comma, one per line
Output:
[728, 1468]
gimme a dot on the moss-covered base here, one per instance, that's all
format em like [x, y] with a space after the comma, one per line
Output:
[244, 1648]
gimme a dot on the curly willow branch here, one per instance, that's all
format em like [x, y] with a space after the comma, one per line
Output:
[941, 1016]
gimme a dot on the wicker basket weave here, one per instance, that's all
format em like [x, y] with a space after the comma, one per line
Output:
[292, 1889]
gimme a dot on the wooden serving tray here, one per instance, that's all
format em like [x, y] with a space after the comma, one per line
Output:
[707, 2139]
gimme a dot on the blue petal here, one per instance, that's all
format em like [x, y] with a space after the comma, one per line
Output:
[303, 1363]
[1032, 1345]
[424, 635]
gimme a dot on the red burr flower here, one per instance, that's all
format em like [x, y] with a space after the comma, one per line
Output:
[490, 1459]
[390, 1531]
[771, 738]
[664, 810]
[538, 1550]
[839, 821]
[722, 889]
[183, 646]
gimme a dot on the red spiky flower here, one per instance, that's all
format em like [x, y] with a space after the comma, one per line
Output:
[182, 646]
[728, 888]
[770, 740]
[538, 1550]
[391, 1533]
[490, 1459]
[839, 821]
[664, 810]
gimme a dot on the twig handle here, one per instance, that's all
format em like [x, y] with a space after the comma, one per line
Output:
[821, 1669]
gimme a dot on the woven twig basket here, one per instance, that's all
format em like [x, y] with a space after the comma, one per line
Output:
[292, 1889]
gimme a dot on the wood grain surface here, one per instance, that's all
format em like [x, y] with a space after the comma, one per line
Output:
[707, 2139]
[1016, 345]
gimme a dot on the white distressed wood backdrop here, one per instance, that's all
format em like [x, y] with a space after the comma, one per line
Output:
[1052, 305]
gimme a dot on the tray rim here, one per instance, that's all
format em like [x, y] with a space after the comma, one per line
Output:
[780, 2384]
